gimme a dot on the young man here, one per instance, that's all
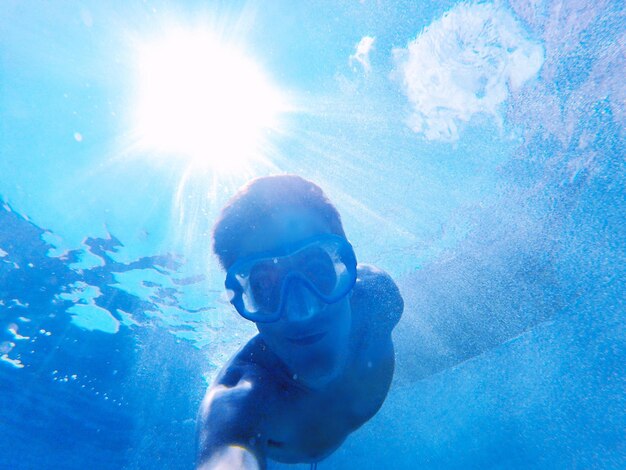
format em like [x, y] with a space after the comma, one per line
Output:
[323, 360]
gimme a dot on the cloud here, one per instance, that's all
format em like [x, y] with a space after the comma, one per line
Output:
[463, 64]
[362, 53]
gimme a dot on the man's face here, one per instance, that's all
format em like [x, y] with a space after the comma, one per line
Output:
[311, 336]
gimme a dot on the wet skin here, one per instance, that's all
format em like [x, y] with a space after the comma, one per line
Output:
[299, 387]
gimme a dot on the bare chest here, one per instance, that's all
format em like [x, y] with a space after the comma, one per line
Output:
[303, 425]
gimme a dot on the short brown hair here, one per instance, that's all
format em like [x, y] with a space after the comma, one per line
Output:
[257, 200]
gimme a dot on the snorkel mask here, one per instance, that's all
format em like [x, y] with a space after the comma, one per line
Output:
[258, 284]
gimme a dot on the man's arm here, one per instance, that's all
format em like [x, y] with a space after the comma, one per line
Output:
[228, 425]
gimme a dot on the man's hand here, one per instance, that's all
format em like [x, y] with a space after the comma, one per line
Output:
[231, 458]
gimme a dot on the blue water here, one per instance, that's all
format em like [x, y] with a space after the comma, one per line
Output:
[508, 245]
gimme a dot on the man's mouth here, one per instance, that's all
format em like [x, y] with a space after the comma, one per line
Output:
[305, 340]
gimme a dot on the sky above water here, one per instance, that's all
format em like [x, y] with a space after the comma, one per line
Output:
[140, 119]
[397, 151]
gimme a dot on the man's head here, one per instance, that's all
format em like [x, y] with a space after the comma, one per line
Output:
[265, 199]
[273, 220]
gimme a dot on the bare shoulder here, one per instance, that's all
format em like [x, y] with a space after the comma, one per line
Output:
[376, 297]
[225, 413]
[231, 412]
[248, 371]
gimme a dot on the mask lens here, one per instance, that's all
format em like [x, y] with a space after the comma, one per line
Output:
[265, 285]
[318, 268]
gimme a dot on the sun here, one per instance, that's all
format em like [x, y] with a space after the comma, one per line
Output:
[203, 100]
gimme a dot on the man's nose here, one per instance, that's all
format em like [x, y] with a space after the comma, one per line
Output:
[301, 304]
